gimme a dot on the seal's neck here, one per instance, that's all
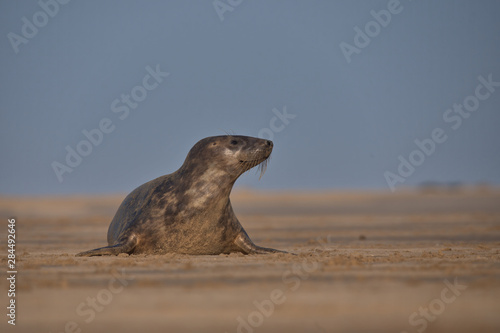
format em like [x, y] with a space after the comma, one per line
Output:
[206, 187]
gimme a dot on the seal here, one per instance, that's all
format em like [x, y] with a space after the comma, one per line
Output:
[189, 211]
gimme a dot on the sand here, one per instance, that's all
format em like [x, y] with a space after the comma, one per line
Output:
[414, 261]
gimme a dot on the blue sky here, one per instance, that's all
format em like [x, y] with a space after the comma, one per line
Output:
[268, 68]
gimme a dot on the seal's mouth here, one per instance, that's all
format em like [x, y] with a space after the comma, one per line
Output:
[262, 163]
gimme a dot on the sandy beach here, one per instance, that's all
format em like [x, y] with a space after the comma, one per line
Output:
[423, 260]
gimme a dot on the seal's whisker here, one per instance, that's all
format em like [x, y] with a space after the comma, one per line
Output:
[253, 161]
[263, 167]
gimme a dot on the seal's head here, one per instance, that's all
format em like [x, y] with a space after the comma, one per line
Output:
[231, 154]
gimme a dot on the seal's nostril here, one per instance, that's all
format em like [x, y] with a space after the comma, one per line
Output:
[269, 143]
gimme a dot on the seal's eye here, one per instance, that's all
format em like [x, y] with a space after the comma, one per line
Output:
[234, 142]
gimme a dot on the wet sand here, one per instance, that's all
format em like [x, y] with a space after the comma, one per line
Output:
[412, 261]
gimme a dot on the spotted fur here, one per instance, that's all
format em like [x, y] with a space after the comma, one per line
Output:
[189, 211]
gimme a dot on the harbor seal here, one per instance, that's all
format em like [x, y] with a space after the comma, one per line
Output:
[189, 211]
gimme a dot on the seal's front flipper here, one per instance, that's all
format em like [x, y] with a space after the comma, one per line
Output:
[112, 250]
[248, 247]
